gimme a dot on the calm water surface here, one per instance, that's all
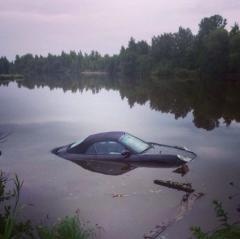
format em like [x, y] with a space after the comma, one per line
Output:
[40, 119]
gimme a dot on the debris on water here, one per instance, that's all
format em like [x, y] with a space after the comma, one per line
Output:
[186, 187]
[118, 195]
[237, 194]
[234, 185]
[3, 137]
[187, 203]
[154, 233]
[183, 170]
[155, 191]
[185, 197]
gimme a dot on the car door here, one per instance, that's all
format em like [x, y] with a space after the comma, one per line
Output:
[107, 150]
[157, 160]
[102, 150]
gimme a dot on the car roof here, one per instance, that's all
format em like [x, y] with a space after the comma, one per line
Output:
[112, 135]
[105, 136]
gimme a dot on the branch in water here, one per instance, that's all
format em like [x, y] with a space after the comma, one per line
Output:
[185, 187]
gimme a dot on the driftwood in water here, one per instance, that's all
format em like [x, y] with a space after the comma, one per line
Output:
[185, 187]
[185, 205]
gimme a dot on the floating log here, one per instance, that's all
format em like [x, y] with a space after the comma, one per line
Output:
[185, 187]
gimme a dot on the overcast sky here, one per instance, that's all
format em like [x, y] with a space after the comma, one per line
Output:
[39, 27]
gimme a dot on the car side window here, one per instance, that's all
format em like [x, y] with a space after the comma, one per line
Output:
[91, 150]
[105, 147]
[115, 147]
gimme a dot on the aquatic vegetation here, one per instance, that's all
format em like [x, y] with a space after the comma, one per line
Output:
[226, 229]
[12, 227]
[69, 227]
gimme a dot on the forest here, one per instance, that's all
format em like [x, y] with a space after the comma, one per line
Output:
[213, 53]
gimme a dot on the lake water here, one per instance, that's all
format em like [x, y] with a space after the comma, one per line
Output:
[41, 116]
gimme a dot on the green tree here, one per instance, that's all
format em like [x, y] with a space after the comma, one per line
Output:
[234, 55]
[209, 24]
[4, 65]
[215, 52]
[184, 41]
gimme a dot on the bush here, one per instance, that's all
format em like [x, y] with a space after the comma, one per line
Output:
[226, 230]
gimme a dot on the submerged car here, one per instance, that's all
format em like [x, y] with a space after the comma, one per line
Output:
[123, 147]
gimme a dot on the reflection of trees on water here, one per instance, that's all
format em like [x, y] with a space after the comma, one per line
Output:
[208, 101]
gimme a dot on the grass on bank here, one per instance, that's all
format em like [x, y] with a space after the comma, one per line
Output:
[226, 229]
[69, 227]
[11, 227]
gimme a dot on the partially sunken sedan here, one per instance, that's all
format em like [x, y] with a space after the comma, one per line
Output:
[123, 147]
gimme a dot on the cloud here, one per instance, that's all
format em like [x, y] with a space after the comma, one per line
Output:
[46, 26]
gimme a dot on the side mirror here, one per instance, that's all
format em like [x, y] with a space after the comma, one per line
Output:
[126, 153]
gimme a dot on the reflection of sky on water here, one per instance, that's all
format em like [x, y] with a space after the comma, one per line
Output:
[41, 119]
[43, 105]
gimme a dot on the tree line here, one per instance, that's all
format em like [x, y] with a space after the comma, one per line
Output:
[213, 52]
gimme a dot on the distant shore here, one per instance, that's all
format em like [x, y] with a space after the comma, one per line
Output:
[94, 73]
[8, 77]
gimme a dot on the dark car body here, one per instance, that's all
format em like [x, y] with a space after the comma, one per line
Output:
[124, 148]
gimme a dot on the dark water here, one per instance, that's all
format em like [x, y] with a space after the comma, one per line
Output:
[41, 115]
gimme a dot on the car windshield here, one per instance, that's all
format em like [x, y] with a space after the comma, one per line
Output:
[134, 143]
